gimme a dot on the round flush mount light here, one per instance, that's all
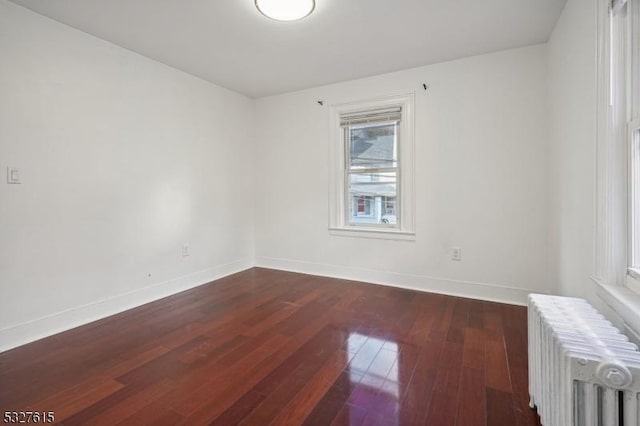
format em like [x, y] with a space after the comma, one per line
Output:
[285, 10]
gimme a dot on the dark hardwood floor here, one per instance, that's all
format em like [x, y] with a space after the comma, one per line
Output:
[269, 347]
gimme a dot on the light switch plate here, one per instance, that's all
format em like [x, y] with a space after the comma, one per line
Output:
[13, 175]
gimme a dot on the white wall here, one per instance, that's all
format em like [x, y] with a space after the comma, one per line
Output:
[572, 112]
[123, 160]
[481, 179]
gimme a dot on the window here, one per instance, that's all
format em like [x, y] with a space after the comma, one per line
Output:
[625, 117]
[371, 172]
[372, 168]
[619, 144]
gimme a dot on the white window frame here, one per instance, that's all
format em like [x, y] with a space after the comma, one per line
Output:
[633, 142]
[632, 136]
[618, 237]
[338, 206]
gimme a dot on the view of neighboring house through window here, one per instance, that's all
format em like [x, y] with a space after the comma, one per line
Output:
[371, 179]
[372, 168]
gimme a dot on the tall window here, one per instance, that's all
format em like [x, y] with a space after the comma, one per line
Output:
[372, 167]
[371, 140]
[623, 130]
[618, 165]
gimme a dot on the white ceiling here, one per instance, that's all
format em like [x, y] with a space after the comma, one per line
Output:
[228, 42]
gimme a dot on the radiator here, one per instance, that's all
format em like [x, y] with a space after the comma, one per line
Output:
[582, 370]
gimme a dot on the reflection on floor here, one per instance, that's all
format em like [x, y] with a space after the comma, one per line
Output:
[266, 346]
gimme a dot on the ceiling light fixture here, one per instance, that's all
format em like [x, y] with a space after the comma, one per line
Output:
[285, 10]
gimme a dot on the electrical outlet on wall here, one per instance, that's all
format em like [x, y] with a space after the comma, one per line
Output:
[13, 175]
[456, 254]
[185, 250]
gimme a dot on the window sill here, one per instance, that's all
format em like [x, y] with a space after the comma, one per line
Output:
[634, 272]
[382, 234]
[624, 302]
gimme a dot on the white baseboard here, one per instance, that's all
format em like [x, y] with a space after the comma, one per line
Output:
[469, 289]
[30, 331]
[20, 334]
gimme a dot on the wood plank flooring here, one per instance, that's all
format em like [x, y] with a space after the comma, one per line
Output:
[269, 347]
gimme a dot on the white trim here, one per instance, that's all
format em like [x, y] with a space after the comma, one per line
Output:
[608, 262]
[624, 302]
[632, 280]
[634, 272]
[20, 334]
[386, 234]
[406, 178]
[452, 287]
[603, 258]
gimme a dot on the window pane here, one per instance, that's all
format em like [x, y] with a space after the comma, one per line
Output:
[373, 198]
[373, 145]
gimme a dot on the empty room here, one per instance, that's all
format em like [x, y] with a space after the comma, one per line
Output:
[320, 212]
